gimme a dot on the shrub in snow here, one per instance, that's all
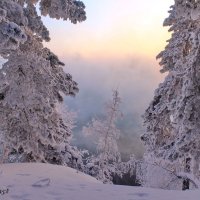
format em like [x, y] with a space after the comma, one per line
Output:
[173, 118]
[153, 174]
[33, 82]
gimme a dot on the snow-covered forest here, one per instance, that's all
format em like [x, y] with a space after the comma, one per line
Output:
[37, 127]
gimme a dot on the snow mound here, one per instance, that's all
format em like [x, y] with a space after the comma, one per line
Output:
[44, 181]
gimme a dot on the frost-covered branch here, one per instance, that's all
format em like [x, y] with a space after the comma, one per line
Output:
[189, 177]
[172, 119]
[107, 135]
[33, 83]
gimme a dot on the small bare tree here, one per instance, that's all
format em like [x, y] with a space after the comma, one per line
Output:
[107, 135]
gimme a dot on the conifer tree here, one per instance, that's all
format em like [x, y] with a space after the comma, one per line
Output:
[173, 119]
[33, 82]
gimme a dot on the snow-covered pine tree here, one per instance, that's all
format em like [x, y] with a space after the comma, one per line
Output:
[103, 164]
[33, 82]
[173, 117]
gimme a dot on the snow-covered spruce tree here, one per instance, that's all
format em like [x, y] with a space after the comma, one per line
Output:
[173, 117]
[33, 82]
[104, 163]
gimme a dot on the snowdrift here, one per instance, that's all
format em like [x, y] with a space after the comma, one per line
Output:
[50, 182]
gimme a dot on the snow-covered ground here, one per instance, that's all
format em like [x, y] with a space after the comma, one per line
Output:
[50, 182]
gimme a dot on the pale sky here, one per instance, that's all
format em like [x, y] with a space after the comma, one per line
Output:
[113, 28]
[114, 48]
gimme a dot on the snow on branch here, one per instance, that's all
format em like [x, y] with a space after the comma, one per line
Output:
[64, 9]
[190, 177]
[33, 84]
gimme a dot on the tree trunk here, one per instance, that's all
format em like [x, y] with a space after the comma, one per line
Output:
[186, 181]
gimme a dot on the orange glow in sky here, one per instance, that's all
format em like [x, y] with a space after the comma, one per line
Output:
[113, 28]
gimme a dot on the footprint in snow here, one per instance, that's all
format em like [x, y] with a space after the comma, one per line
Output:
[82, 185]
[23, 174]
[138, 194]
[42, 183]
[20, 197]
[98, 190]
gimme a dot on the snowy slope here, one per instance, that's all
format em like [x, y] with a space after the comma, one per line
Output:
[50, 182]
